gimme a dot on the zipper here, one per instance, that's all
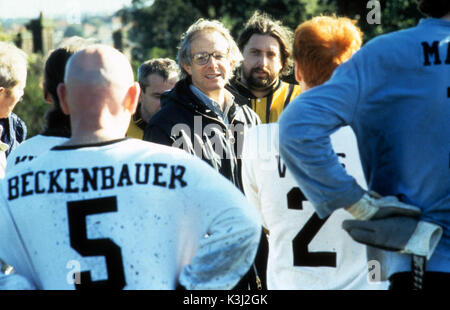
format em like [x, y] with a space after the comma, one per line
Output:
[229, 133]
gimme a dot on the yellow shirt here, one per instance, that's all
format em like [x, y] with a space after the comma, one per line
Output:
[136, 127]
[269, 108]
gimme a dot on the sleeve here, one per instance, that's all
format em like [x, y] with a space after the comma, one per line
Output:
[12, 252]
[232, 231]
[305, 145]
[156, 134]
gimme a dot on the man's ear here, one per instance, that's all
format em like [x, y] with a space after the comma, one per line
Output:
[132, 98]
[47, 97]
[62, 92]
[141, 93]
[187, 68]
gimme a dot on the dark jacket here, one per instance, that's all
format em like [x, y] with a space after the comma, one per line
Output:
[185, 122]
[14, 131]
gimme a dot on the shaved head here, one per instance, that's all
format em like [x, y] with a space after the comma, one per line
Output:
[99, 93]
[98, 65]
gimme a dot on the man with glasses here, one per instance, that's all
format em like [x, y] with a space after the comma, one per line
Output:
[13, 77]
[201, 114]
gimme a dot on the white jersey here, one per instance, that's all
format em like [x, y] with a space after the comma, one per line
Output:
[125, 214]
[305, 252]
[2, 164]
[33, 147]
[3, 149]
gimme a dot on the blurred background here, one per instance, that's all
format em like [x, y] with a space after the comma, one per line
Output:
[144, 29]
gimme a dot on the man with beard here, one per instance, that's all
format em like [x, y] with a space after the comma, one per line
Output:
[266, 46]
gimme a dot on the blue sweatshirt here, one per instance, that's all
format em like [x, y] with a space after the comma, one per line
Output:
[395, 94]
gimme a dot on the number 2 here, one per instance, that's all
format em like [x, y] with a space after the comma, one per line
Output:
[77, 212]
[302, 255]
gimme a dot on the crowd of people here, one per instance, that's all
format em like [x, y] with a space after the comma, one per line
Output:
[212, 171]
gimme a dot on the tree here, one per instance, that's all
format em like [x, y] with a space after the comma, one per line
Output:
[157, 28]
[395, 15]
[159, 24]
[3, 36]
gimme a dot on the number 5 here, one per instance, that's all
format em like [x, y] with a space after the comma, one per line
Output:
[77, 212]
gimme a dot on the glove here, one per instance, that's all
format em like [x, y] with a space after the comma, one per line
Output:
[374, 206]
[398, 233]
[389, 234]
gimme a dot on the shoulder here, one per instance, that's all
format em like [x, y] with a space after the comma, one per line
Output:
[20, 128]
[33, 147]
[170, 114]
[137, 148]
[176, 105]
[390, 47]
[17, 121]
[246, 115]
[237, 88]
[173, 157]
[42, 141]
[16, 118]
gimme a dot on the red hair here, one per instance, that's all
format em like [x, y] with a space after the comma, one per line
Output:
[323, 43]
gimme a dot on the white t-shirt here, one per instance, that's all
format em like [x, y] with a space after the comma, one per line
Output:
[2, 164]
[3, 149]
[33, 147]
[129, 214]
[305, 252]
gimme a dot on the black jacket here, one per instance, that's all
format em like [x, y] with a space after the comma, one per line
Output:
[14, 131]
[185, 122]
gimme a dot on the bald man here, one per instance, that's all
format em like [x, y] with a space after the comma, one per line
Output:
[104, 211]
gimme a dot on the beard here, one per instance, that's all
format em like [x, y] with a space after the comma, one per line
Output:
[260, 81]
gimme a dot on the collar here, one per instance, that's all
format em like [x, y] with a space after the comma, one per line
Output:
[137, 119]
[95, 144]
[212, 104]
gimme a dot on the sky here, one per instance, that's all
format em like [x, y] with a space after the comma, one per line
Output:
[52, 8]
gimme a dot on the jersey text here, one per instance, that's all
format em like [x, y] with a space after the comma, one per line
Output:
[75, 180]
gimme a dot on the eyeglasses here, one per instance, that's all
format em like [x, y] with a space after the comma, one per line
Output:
[202, 58]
